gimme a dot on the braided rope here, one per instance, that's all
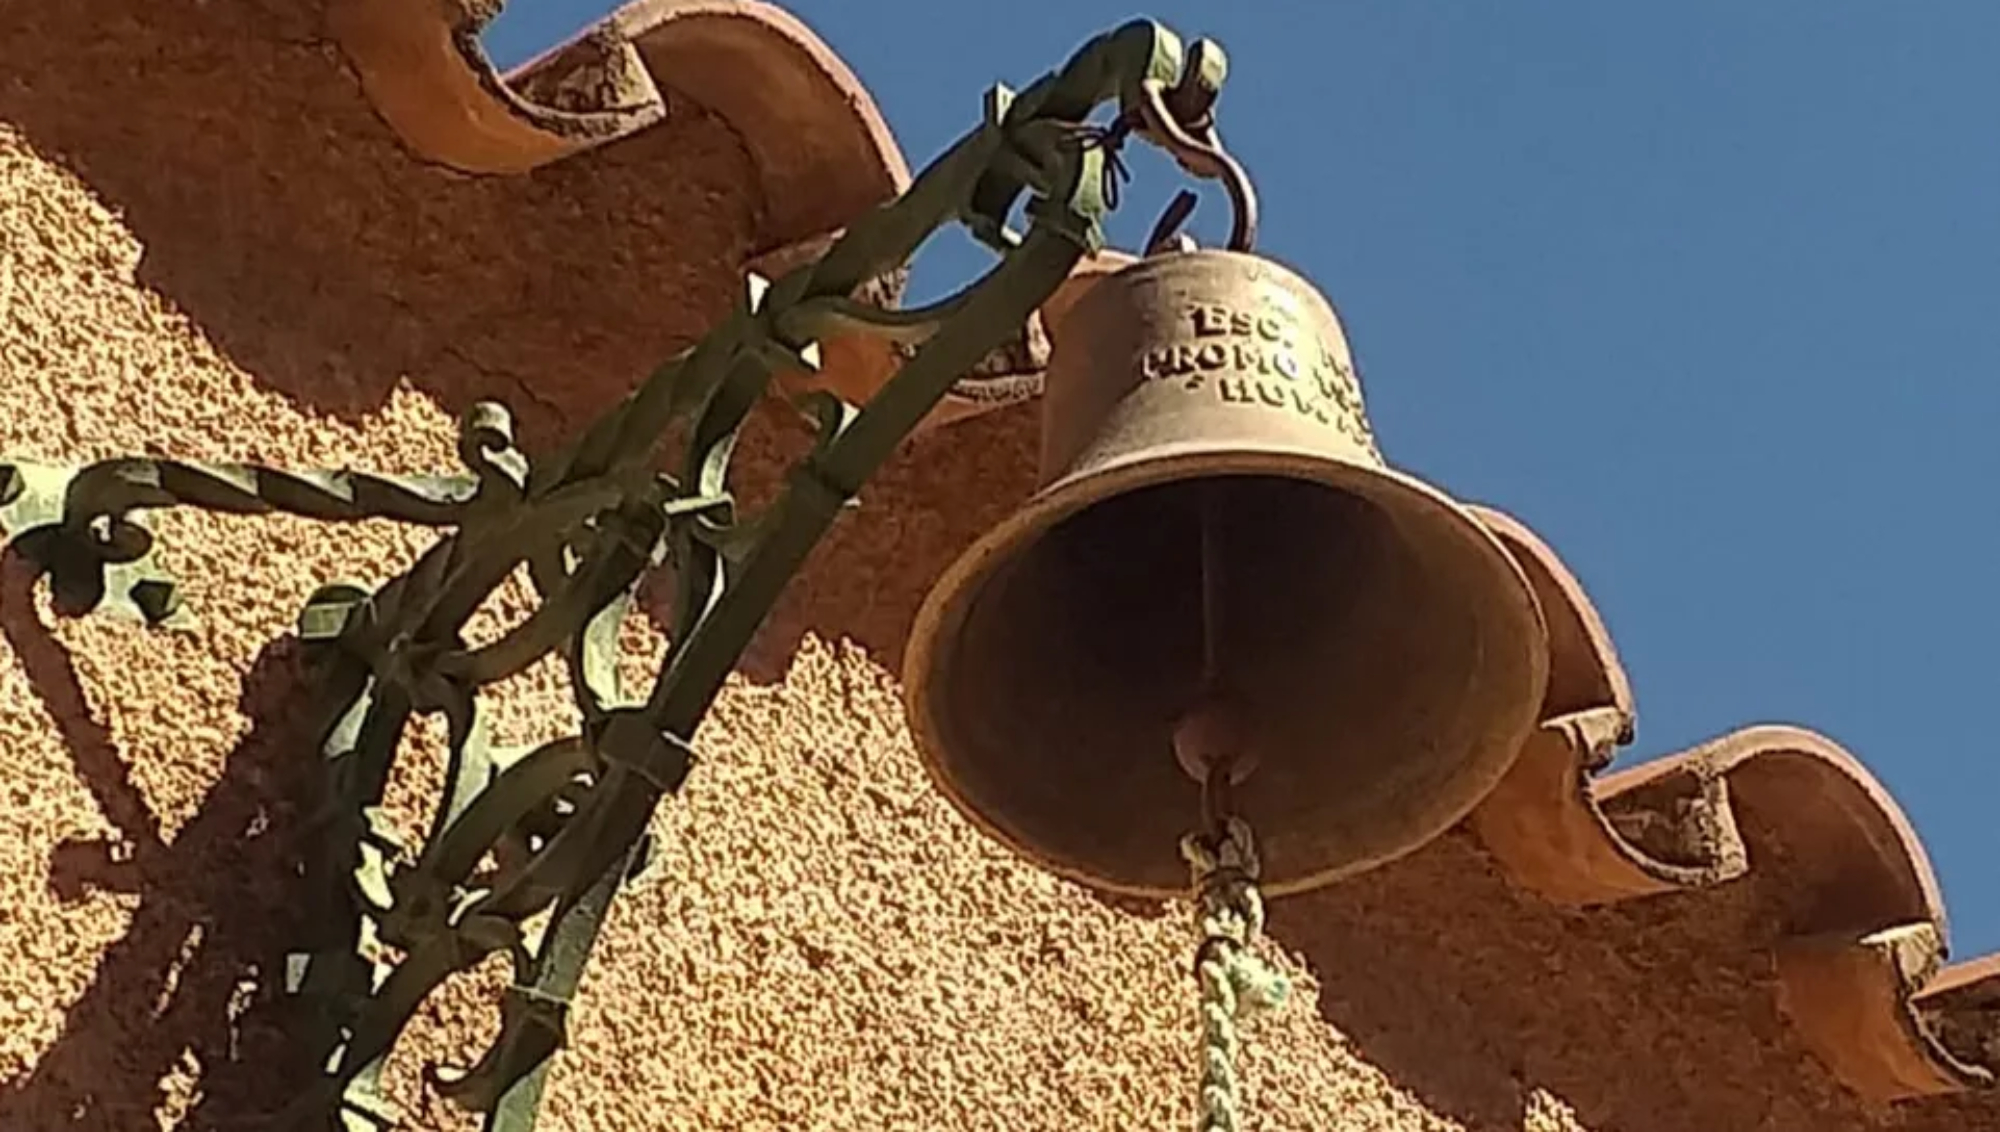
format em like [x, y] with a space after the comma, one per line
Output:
[1235, 984]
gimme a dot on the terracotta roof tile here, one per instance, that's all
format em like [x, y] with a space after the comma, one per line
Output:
[822, 149]
[1860, 969]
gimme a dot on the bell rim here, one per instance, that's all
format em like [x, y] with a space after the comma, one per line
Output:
[1171, 463]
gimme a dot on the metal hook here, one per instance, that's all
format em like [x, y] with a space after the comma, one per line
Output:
[1199, 154]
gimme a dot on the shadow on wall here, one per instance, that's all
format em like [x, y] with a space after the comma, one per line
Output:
[188, 990]
[280, 213]
[282, 217]
[1660, 1015]
[1639, 1019]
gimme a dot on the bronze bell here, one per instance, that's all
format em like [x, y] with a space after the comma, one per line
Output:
[1215, 524]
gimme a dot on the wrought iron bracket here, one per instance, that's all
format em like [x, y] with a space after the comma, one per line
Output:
[566, 820]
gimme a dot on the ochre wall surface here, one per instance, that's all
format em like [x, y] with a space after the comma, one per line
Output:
[210, 247]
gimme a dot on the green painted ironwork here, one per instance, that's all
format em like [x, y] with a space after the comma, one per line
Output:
[566, 821]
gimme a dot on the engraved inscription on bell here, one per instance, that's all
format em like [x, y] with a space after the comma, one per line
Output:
[1262, 359]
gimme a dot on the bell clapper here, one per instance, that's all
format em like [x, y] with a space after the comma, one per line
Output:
[1209, 743]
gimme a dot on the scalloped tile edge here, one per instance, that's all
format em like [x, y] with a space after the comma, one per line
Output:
[1860, 967]
[822, 151]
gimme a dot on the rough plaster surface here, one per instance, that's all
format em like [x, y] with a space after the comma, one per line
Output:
[209, 247]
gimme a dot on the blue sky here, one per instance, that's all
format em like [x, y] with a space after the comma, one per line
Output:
[1704, 292]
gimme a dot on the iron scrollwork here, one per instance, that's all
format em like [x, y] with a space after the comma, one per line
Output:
[566, 821]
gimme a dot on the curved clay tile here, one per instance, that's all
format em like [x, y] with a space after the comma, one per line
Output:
[822, 152]
[1861, 922]
[821, 149]
[429, 78]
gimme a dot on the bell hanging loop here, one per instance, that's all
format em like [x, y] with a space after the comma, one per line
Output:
[1180, 120]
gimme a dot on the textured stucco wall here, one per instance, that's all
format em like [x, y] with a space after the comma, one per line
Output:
[209, 247]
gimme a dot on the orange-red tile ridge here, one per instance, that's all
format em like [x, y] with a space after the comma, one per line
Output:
[821, 149]
[1862, 967]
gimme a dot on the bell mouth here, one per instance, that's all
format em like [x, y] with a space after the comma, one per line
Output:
[1384, 644]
